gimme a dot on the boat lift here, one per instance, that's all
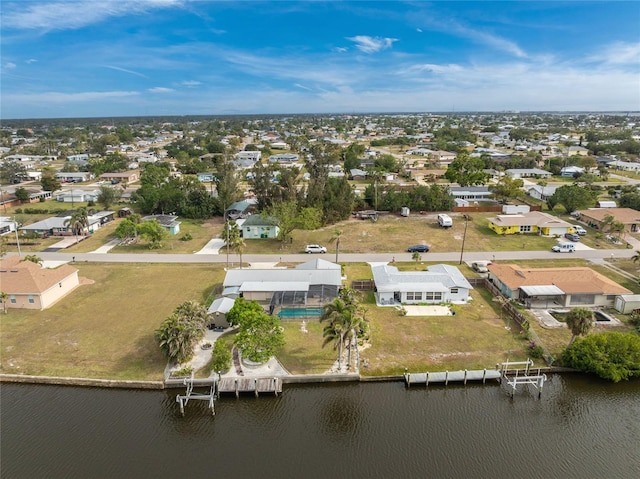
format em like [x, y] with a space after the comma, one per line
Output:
[211, 396]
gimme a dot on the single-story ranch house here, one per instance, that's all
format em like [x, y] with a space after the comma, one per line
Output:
[314, 283]
[535, 222]
[168, 222]
[594, 217]
[440, 283]
[30, 286]
[260, 226]
[555, 287]
[59, 225]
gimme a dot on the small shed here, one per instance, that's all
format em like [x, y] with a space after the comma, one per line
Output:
[218, 312]
[404, 211]
[627, 303]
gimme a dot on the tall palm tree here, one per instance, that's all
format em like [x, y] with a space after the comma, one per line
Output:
[78, 222]
[336, 315]
[336, 238]
[580, 322]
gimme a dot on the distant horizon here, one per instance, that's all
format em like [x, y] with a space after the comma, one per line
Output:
[462, 112]
[142, 58]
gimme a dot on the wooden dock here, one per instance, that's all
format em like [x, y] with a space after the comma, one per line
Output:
[451, 376]
[249, 385]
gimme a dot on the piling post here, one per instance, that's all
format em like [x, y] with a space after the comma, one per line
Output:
[255, 386]
[275, 386]
[427, 382]
[446, 378]
[407, 377]
[237, 392]
[465, 377]
[484, 375]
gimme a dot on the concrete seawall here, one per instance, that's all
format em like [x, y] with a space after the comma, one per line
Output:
[87, 382]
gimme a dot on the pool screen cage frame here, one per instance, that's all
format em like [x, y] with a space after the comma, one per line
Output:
[316, 295]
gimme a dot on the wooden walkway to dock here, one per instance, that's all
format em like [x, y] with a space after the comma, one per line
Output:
[451, 376]
[249, 385]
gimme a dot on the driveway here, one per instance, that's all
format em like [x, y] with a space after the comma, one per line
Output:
[212, 247]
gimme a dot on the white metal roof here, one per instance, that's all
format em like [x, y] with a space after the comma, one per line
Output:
[542, 290]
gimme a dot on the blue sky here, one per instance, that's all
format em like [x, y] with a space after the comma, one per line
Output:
[178, 57]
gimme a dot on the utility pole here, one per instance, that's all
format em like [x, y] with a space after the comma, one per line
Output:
[464, 236]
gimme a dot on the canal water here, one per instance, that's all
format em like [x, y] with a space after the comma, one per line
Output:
[580, 428]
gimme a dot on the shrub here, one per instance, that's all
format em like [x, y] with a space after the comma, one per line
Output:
[186, 237]
[535, 351]
[221, 357]
[613, 356]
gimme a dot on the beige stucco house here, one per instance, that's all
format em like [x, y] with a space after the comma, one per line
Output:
[30, 286]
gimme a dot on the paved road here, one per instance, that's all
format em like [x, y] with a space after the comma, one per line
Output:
[344, 258]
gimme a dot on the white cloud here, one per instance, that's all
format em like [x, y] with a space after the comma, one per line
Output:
[340, 49]
[297, 85]
[490, 39]
[369, 44]
[190, 83]
[419, 30]
[9, 66]
[126, 71]
[620, 53]
[160, 89]
[31, 60]
[77, 14]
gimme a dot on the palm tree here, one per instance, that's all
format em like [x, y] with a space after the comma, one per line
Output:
[336, 238]
[580, 322]
[416, 256]
[337, 315]
[180, 332]
[78, 222]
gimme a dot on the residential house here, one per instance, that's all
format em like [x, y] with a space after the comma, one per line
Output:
[471, 193]
[7, 225]
[252, 156]
[74, 176]
[260, 227]
[168, 222]
[439, 283]
[571, 171]
[357, 174]
[528, 173]
[239, 209]
[535, 222]
[555, 287]
[577, 150]
[77, 196]
[595, 217]
[218, 312]
[30, 286]
[314, 283]
[284, 158]
[124, 177]
[206, 177]
[60, 225]
[624, 165]
[541, 192]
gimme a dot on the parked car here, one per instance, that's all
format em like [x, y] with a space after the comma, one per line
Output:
[564, 248]
[314, 248]
[579, 229]
[572, 236]
[418, 248]
[480, 266]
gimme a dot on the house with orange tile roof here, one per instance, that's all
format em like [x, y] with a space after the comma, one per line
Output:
[30, 286]
[555, 287]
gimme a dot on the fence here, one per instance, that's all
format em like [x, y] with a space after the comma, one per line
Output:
[363, 284]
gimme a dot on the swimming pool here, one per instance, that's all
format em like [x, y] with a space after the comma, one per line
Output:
[291, 313]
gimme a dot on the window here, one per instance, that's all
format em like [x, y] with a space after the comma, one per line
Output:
[31, 299]
[12, 298]
[583, 299]
[414, 296]
[454, 290]
[525, 229]
[433, 296]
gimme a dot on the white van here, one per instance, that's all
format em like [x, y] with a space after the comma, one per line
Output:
[445, 221]
[564, 248]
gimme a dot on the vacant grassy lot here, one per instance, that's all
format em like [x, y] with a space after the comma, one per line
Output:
[104, 329]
